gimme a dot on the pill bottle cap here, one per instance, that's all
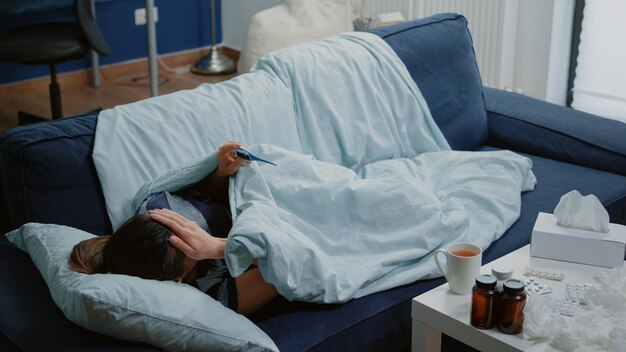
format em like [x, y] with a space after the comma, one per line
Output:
[486, 281]
[513, 286]
[502, 272]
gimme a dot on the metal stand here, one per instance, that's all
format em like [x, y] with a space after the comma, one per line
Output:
[25, 118]
[214, 63]
[152, 50]
[95, 59]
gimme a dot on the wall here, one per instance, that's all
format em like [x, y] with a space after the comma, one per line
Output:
[183, 24]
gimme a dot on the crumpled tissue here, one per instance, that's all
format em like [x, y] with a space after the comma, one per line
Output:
[600, 325]
[586, 213]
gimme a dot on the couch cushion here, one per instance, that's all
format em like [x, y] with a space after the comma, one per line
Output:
[32, 180]
[439, 55]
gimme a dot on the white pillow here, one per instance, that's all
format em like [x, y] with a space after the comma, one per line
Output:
[292, 22]
[169, 315]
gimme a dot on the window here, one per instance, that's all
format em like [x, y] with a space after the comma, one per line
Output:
[599, 86]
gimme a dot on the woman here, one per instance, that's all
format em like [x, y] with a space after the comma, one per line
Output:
[164, 245]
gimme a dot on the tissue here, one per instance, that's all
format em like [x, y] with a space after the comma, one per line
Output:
[537, 319]
[618, 336]
[600, 326]
[586, 213]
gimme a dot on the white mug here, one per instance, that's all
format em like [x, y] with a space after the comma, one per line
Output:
[463, 262]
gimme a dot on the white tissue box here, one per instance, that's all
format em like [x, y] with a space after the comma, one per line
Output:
[388, 19]
[552, 241]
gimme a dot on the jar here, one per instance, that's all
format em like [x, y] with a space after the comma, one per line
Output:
[483, 294]
[502, 273]
[511, 319]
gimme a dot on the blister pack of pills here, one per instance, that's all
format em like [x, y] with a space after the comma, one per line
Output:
[562, 306]
[543, 273]
[535, 286]
[576, 292]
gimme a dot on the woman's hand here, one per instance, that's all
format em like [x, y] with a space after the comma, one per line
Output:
[215, 184]
[227, 163]
[189, 237]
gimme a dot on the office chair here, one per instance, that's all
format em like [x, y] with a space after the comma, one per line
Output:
[51, 44]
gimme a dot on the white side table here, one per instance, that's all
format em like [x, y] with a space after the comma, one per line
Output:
[441, 311]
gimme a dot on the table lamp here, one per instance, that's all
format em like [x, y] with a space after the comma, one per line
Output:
[214, 63]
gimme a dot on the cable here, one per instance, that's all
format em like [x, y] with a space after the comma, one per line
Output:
[141, 81]
[138, 81]
[135, 81]
[176, 70]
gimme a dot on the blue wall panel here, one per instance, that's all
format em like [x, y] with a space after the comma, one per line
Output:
[182, 25]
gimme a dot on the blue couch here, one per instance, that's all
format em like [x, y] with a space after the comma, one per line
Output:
[47, 175]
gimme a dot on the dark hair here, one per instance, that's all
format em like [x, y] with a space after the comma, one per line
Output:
[140, 247]
[86, 257]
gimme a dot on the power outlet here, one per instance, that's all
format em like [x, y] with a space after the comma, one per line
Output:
[140, 16]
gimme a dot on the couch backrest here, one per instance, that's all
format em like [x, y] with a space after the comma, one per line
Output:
[48, 175]
[439, 55]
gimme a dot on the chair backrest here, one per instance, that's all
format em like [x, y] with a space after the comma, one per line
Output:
[85, 15]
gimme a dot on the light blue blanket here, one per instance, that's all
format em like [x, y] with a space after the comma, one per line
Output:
[347, 99]
[325, 233]
[365, 188]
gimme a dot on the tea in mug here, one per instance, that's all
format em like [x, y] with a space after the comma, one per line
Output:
[462, 253]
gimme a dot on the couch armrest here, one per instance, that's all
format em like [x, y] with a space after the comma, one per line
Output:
[532, 126]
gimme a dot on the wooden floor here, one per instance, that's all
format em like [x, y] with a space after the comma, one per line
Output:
[120, 84]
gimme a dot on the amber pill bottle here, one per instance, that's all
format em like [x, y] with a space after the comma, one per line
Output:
[502, 273]
[483, 302]
[512, 307]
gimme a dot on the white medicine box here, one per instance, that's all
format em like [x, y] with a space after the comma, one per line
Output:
[552, 241]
